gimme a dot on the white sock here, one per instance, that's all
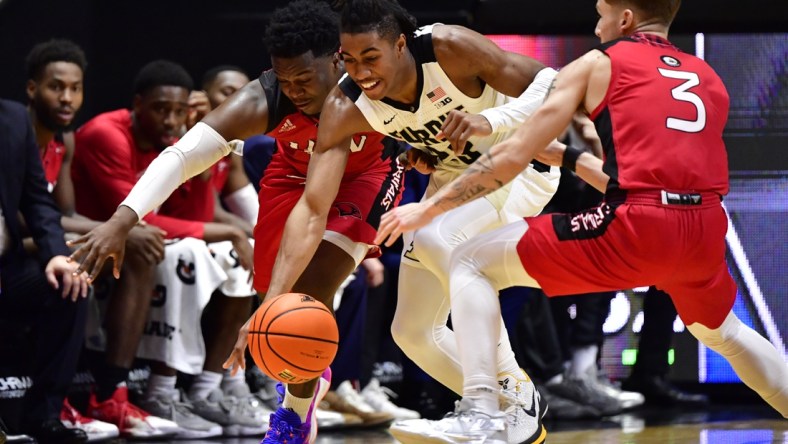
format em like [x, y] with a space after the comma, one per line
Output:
[160, 386]
[204, 384]
[298, 405]
[582, 359]
[483, 391]
[229, 381]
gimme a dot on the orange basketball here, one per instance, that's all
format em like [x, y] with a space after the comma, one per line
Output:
[293, 338]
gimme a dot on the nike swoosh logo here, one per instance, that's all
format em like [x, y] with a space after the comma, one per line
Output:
[386, 122]
[532, 411]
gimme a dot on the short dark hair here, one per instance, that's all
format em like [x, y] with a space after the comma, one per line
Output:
[386, 17]
[55, 50]
[212, 73]
[663, 11]
[161, 73]
[300, 27]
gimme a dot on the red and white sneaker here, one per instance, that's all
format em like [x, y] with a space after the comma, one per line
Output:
[131, 420]
[95, 429]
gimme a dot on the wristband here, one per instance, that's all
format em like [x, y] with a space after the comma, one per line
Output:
[570, 157]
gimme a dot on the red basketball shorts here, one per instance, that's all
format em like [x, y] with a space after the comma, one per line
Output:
[355, 213]
[637, 241]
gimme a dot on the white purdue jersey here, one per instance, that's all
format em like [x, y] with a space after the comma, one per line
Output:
[418, 124]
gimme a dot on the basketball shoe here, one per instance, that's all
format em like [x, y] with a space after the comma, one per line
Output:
[131, 420]
[95, 429]
[379, 398]
[285, 426]
[346, 399]
[524, 408]
[176, 408]
[238, 416]
[467, 425]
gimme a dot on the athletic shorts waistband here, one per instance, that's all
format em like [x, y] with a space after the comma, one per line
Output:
[679, 199]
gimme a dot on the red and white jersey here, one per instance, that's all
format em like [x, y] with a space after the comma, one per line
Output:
[296, 136]
[662, 119]
[52, 160]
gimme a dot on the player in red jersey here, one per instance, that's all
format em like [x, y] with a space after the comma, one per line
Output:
[325, 224]
[112, 151]
[651, 104]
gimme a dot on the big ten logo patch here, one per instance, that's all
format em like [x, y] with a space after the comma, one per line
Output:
[159, 297]
[185, 271]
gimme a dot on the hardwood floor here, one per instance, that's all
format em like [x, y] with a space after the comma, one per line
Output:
[729, 424]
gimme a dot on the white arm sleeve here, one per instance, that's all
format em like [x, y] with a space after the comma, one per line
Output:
[243, 203]
[512, 114]
[197, 150]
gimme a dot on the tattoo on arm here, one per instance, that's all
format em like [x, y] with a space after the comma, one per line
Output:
[473, 183]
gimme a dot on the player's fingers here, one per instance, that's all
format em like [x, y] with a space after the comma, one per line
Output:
[84, 286]
[87, 260]
[463, 139]
[117, 263]
[96, 269]
[77, 255]
[80, 240]
[76, 287]
[229, 364]
[67, 280]
[393, 236]
[52, 279]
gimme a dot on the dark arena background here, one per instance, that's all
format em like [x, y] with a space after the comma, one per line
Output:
[745, 42]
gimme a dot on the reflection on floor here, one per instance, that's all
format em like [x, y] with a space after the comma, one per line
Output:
[722, 424]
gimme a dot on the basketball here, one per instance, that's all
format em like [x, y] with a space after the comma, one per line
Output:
[293, 338]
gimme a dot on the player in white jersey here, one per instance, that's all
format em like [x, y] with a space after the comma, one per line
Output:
[427, 87]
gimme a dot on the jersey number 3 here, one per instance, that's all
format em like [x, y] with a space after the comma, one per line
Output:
[682, 93]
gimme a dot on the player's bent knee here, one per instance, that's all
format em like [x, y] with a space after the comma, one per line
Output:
[717, 338]
[406, 335]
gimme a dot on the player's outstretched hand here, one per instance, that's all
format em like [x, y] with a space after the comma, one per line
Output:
[401, 219]
[460, 126]
[108, 240]
[419, 160]
[237, 361]
[75, 285]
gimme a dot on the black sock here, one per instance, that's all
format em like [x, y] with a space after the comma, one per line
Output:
[108, 377]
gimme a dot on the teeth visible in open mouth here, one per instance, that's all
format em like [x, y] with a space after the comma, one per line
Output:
[369, 85]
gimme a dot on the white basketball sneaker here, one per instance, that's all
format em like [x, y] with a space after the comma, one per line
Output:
[466, 425]
[379, 398]
[524, 408]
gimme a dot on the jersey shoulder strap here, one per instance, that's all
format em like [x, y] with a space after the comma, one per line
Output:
[279, 106]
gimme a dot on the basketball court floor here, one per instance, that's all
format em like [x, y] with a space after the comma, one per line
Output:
[717, 424]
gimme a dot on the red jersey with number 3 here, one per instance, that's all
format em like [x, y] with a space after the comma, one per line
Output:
[681, 106]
